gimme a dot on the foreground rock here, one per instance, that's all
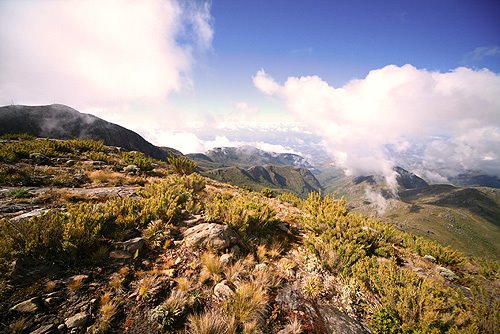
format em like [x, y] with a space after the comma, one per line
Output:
[209, 235]
[28, 306]
[78, 320]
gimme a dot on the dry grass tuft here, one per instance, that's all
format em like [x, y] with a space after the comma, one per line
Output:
[212, 322]
[18, 325]
[50, 286]
[212, 268]
[248, 303]
[75, 284]
[293, 327]
[183, 284]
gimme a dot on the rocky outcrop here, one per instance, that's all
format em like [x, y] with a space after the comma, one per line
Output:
[209, 235]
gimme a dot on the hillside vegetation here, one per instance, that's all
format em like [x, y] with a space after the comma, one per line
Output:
[150, 249]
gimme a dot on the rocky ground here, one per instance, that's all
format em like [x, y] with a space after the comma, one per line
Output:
[193, 271]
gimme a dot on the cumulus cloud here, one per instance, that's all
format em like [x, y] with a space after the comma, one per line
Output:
[114, 56]
[446, 122]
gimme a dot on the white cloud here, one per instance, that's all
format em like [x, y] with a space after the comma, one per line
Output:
[120, 57]
[454, 116]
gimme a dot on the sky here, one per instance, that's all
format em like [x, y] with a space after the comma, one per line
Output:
[364, 84]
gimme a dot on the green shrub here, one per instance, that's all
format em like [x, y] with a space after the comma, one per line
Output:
[290, 198]
[266, 192]
[19, 193]
[182, 165]
[139, 159]
[246, 214]
[385, 321]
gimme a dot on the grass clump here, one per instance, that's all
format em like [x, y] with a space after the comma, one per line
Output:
[212, 322]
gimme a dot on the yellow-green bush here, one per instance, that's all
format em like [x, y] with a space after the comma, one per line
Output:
[182, 165]
[247, 213]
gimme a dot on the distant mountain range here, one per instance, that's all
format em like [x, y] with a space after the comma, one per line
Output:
[62, 122]
[257, 169]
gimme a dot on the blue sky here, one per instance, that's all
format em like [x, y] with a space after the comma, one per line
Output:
[338, 81]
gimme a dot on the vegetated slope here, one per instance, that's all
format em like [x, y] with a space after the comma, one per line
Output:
[63, 122]
[465, 218]
[475, 180]
[177, 253]
[250, 156]
[257, 169]
[296, 180]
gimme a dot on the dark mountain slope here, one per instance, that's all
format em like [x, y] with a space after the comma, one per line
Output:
[62, 122]
[297, 180]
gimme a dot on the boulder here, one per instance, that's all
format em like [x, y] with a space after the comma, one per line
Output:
[222, 290]
[39, 159]
[447, 273]
[430, 258]
[132, 245]
[78, 320]
[225, 259]
[28, 306]
[209, 235]
[131, 169]
[44, 329]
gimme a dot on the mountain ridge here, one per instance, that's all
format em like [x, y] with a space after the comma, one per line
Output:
[62, 122]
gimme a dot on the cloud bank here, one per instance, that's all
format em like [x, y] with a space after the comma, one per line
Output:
[114, 55]
[437, 123]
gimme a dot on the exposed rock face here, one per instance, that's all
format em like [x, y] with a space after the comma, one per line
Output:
[323, 318]
[210, 235]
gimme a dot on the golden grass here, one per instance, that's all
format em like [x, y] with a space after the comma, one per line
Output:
[212, 322]
[248, 303]
[211, 267]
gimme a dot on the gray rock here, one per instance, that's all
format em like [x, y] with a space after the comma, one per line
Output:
[131, 169]
[447, 273]
[222, 291]
[119, 254]
[210, 235]
[194, 220]
[336, 322]
[31, 214]
[132, 245]
[225, 259]
[78, 320]
[430, 258]
[39, 159]
[44, 329]
[28, 306]
[61, 327]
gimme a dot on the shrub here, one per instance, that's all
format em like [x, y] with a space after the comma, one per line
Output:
[246, 214]
[290, 198]
[266, 192]
[182, 165]
[143, 162]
